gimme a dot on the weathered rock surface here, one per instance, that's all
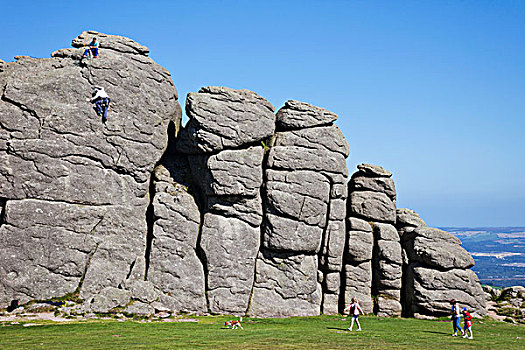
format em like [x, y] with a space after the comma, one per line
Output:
[222, 118]
[375, 206]
[407, 218]
[76, 190]
[358, 284]
[298, 115]
[241, 212]
[230, 172]
[222, 143]
[109, 298]
[304, 210]
[173, 262]
[111, 42]
[377, 184]
[372, 239]
[436, 269]
[431, 290]
[508, 303]
[286, 285]
[230, 247]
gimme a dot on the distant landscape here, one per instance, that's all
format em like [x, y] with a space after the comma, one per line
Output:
[499, 253]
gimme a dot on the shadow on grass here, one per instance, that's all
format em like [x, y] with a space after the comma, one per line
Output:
[434, 332]
[338, 329]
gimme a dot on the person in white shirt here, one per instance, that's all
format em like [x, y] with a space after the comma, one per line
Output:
[456, 317]
[101, 100]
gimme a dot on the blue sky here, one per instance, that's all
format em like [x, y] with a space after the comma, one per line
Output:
[434, 91]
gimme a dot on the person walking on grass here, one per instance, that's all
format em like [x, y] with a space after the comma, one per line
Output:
[354, 309]
[467, 329]
[456, 317]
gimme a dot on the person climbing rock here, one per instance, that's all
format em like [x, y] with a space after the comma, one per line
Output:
[101, 100]
[93, 48]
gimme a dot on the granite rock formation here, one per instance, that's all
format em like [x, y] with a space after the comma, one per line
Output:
[372, 203]
[436, 270]
[298, 266]
[74, 191]
[243, 211]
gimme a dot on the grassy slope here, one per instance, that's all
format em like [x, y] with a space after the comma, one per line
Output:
[325, 332]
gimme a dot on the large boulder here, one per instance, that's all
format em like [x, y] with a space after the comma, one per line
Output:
[230, 172]
[358, 282]
[299, 115]
[75, 190]
[222, 118]
[229, 246]
[438, 249]
[375, 206]
[431, 290]
[286, 285]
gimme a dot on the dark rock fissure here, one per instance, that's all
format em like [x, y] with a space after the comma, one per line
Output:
[242, 147]
[3, 202]
[150, 211]
[375, 268]
[201, 201]
[342, 288]
[150, 223]
[131, 270]
[324, 249]
[404, 281]
[86, 268]
[18, 104]
[201, 255]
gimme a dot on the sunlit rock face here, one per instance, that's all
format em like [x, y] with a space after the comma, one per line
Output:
[436, 270]
[243, 211]
[74, 191]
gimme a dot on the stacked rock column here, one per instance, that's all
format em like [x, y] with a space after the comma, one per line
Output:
[372, 200]
[222, 141]
[304, 215]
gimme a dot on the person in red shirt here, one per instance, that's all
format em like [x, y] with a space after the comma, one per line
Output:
[468, 324]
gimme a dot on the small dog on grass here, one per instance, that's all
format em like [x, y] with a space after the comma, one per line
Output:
[234, 324]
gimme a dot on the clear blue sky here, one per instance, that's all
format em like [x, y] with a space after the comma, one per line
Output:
[434, 91]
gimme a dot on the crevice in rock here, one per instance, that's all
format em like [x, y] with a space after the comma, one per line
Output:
[130, 269]
[375, 269]
[150, 223]
[150, 211]
[324, 249]
[94, 229]
[342, 286]
[86, 268]
[3, 202]
[404, 289]
[201, 255]
[202, 204]
[242, 147]
[299, 128]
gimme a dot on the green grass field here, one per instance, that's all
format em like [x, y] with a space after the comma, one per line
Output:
[324, 332]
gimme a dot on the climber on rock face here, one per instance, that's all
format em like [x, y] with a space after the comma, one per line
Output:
[101, 100]
[93, 48]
